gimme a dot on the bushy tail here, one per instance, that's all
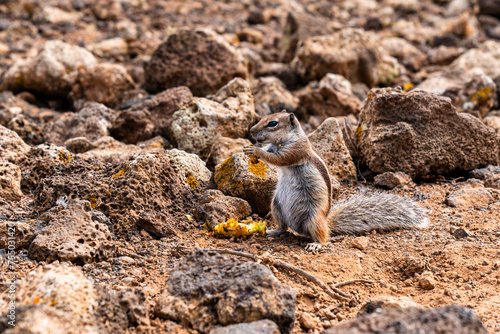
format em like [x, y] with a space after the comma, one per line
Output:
[365, 212]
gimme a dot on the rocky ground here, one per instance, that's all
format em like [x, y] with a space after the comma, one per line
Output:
[121, 129]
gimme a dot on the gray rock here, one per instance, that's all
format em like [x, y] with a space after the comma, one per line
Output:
[199, 59]
[51, 72]
[71, 235]
[209, 290]
[328, 140]
[490, 175]
[472, 194]
[420, 133]
[229, 113]
[447, 319]
[93, 121]
[215, 208]
[256, 327]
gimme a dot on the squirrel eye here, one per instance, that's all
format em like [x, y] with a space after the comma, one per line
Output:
[272, 124]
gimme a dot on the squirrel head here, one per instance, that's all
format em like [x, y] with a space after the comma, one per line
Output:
[276, 129]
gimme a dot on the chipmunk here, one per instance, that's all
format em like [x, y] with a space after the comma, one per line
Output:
[302, 199]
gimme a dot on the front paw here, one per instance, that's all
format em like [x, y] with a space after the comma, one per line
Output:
[249, 150]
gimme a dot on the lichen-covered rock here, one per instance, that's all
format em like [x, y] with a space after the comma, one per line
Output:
[328, 140]
[12, 147]
[476, 96]
[197, 125]
[331, 97]
[102, 83]
[392, 180]
[71, 235]
[215, 208]
[239, 176]
[271, 96]
[351, 53]
[93, 121]
[256, 327]
[224, 148]
[10, 181]
[421, 134]
[189, 168]
[199, 59]
[151, 116]
[472, 194]
[209, 290]
[24, 232]
[446, 319]
[51, 72]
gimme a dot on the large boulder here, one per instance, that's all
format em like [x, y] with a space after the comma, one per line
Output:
[230, 113]
[51, 72]
[199, 59]
[420, 133]
[352, 53]
[209, 290]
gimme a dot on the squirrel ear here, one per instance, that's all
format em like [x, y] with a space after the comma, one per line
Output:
[292, 119]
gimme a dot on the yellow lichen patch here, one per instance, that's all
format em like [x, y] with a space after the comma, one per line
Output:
[119, 174]
[481, 95]
[36, 301]
[53, 302]
[408, 86]
[93, 201]
[193, 183]
[358, 134]
[224, 173]
[65, 157]
[233, 228]
[257, 168]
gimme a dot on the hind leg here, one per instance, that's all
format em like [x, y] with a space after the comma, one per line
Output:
[318, 230]
[278, 218]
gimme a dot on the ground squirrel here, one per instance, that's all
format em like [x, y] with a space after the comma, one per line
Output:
[302, 199]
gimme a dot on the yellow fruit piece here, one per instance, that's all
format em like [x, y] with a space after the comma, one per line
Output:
[233, 228]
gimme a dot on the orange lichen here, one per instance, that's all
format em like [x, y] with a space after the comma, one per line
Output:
[65, 157]
[53, 302]
[224, 173]
[233, 228]
[408, 86]
[358, 134]
[193, 183]
[93, 201]
[119, 174]
[36, 301]
[257, 168]
[481, 95]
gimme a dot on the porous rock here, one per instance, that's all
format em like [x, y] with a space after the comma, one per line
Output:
[55, 298]
[51, 72]
[93, 121]
[189, 168]
[79, 145]
[447, 319]
[103, 83]
[10, 181]
[472, 194]
[331, 97]
[12, 147]
[240, 176]
[392, 180]
[351, 53]
[197, 125]
[151, 116]
[215, 208]
[271, 96]
[492, 120]
[421, 134]
[156, 223]
[24, 232]
[71, 235]
[405, 52]
[328, 140]
[209, 290]
[199, 59]
[256, 327]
